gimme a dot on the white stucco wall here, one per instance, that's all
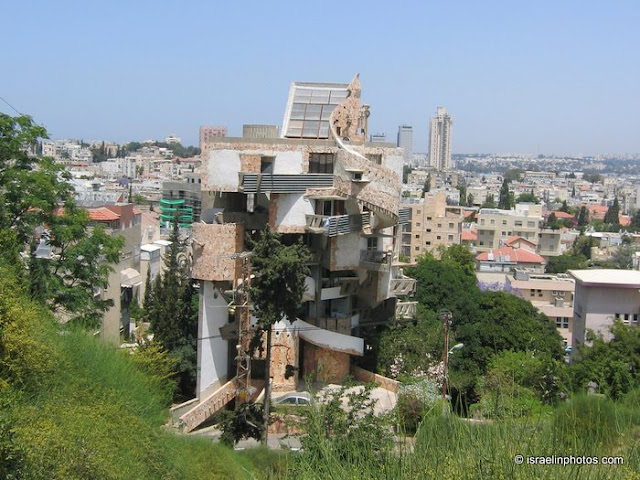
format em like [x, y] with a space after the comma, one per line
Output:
[595, 308]
[288, 162]
[395, 163]
[222, 169]
[212, 350]
[346, 255]
[292, 210]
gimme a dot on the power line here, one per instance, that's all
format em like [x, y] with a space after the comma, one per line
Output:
[11, 106]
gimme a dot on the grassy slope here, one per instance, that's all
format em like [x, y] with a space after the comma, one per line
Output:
[73, 407]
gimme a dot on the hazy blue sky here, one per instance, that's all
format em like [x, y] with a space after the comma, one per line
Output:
[537, 76]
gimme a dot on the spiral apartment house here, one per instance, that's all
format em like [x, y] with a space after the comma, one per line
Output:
[320, 181]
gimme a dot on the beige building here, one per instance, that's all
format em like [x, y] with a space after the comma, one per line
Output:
[433, 224]
[602, 296]
[440, 140]
[125, 279]
[496, 226]
[210, 132]
[551, 294]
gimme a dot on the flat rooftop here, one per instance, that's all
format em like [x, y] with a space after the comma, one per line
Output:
[607, 277]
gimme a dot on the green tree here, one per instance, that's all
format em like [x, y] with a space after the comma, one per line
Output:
[635, 219]
[173, 314]
[583, 217]
[612, 217]
[489, 202]
[470, 200]
[277, 289]
[81, 262]
[505, 201]
[36, 193]
[463, 194]
[592, 177]
[527, 198]
[614, 365]
[514, 174]
[406, 170]
[566, 261]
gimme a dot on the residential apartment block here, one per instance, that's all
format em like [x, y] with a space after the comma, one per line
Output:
[602, 296]
[551, 294]
[321, 184]
[495, 226]
[433, 224]
[125, 279]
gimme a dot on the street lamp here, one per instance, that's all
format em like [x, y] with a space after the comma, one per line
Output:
[446, 316]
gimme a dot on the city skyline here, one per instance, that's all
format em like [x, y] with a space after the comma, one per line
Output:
[540, 78]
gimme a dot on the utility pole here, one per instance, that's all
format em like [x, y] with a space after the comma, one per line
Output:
[445, 315]
[243, 358]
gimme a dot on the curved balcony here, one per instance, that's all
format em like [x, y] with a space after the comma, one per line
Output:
[333, 225]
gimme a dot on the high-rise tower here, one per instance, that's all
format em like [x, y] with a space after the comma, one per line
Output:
[440, 140]
[405, 140]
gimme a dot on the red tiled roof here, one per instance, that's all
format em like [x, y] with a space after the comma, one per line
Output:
[136, 211]
[624, 220]
[560, 214]
[468, 213]
[517, 238]
[102, 214]
[515, 255]
[598, 208]
[468, 236]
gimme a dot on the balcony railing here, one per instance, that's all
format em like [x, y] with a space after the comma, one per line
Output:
[403, 286]
[284, 183]
[374, 260]
[406, 309]
[336, 224]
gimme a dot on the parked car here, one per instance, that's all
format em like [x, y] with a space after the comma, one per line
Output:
[295, 398]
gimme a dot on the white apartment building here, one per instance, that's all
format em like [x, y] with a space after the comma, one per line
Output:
[601, 296]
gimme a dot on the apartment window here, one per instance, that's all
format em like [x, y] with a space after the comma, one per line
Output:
[417, 236]
[428, 230]
[266, 164]
[531, 224]
[418, 211]
[562, 322]
[533, 292]
[439, 225]
[504, 234]
[450, 238]
[481, 242]
[428, 219]
[482, 221]
[539, 293]
[504, 222]
[417, 224]
[427, 243]
[372, 243]
[321, 163]
[438, 237]
[493, 222]
[518, 223]
[625, 320]
[635, 318]
[450, 225]
[374, 158]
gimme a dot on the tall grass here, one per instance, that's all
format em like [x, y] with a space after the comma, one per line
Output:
[454, 448]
